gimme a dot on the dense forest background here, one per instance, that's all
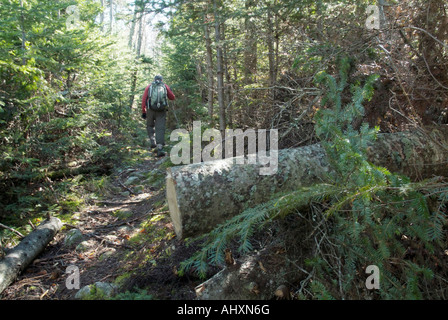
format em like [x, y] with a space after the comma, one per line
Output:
[72, 74]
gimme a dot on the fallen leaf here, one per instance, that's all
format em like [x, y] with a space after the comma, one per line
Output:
[42, 272]
[229, 257]
[55, 274]
[175, 270]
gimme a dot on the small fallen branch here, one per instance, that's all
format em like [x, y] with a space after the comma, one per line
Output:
[125, 187]
[18, 258]
[13, 230]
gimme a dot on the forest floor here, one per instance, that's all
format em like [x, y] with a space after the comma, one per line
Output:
[127, 239]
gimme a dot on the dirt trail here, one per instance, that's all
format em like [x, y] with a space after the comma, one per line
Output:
[127, 238]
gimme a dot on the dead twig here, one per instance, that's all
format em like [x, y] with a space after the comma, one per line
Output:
[110, 242]
[127, 188]
[44, 260]
[13, 230]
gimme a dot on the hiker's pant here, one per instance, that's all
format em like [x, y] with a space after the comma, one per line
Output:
[155, 123]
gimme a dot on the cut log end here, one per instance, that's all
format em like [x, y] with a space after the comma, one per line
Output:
[282, 293]
[173, 204]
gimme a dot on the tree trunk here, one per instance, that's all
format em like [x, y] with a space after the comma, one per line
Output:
[132, 29]
[26, 251]
[209, 61]
[140, 32]
[111, 16]
[22, 27]
[220, 68]
[102, 14]
[250, 46]
[272, 44]
[227, 86]
[271, 52]
[138, 53]
[203, 195]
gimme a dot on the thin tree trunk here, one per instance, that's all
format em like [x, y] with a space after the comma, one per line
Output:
[111, 16]
[139, 48]
[132, 31]
[220, 68]
[22, 27]
[209, 62]
[273, 44]
[276, 43]
[140, 32]
[250, 47]
[271, 52]
[102, 14]
[227, 86]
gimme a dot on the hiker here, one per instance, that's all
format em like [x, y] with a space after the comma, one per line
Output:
[154, 106]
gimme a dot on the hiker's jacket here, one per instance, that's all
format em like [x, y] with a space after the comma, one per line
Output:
[169, 93]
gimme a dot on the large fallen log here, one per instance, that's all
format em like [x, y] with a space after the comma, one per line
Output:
[203, 195]
[18, 258]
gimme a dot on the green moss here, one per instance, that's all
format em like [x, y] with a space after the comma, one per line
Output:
[139, 294]
[121, 279]
[122, 214]
[408, 147]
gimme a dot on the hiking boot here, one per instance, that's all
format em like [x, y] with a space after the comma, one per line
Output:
[153, 143]
[160, 152]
